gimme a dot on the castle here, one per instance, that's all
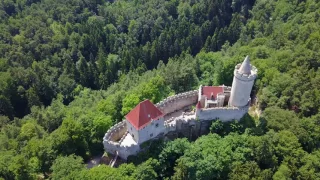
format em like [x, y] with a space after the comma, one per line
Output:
[175, 113]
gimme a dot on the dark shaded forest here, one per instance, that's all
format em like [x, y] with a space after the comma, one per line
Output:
[50, 47]
[69, 70]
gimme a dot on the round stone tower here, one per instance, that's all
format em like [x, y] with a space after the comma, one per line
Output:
[243, 79]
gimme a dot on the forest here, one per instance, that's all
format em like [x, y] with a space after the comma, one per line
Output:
[70, 69]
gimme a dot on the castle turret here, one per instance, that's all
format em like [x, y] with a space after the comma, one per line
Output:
[243, 79]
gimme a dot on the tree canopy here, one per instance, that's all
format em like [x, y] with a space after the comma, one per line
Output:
[69, 70]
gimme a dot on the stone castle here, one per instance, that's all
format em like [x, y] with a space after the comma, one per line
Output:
[176, 115]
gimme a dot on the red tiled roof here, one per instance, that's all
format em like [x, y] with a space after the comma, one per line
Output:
[142, 114]
[211, 90]
[198, 105]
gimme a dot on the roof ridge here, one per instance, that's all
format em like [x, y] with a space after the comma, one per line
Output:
[143, 113]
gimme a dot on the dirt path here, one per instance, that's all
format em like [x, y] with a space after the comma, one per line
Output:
[95, 161]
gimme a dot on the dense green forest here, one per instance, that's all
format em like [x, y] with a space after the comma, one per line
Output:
[52, 46]
[71, 69]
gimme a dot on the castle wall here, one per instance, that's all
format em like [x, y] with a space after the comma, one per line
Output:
[191, 128]
[113, 138]
[220, 100]
[116, 132]
[187, 129]
[123, 151]
[222, 113]
[178, 101]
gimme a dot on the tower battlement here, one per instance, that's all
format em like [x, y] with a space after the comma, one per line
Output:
[245, 77]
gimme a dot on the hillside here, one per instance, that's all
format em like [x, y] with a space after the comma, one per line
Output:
[69, 70]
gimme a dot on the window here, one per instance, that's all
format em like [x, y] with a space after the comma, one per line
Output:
[157, 124]
[151, 134]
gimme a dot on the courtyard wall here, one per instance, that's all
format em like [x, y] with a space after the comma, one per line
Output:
[177, 102]
[223, 113]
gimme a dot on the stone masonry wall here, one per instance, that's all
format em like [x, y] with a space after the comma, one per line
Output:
[222, 113]
[116, 132]
[113, 138]
[193, 128]
[123, 151]
[178, 101]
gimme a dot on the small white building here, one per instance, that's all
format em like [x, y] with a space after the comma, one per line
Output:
[145, 122]
[211, 96]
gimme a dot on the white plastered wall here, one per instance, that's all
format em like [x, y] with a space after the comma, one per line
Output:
[150, 131]
[240, 92]
[133, 131]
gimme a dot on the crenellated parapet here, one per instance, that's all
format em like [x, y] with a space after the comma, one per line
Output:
[178, 101]
[113, 139]
[170, 126]
[177, 97]
[115, 131]
[246, 77]
[227, 89]
[227, 108]
[121, 149]
[222, 113]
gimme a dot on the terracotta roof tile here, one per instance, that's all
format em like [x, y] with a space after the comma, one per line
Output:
[211, 90]
[142, 114]
[198, 105]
